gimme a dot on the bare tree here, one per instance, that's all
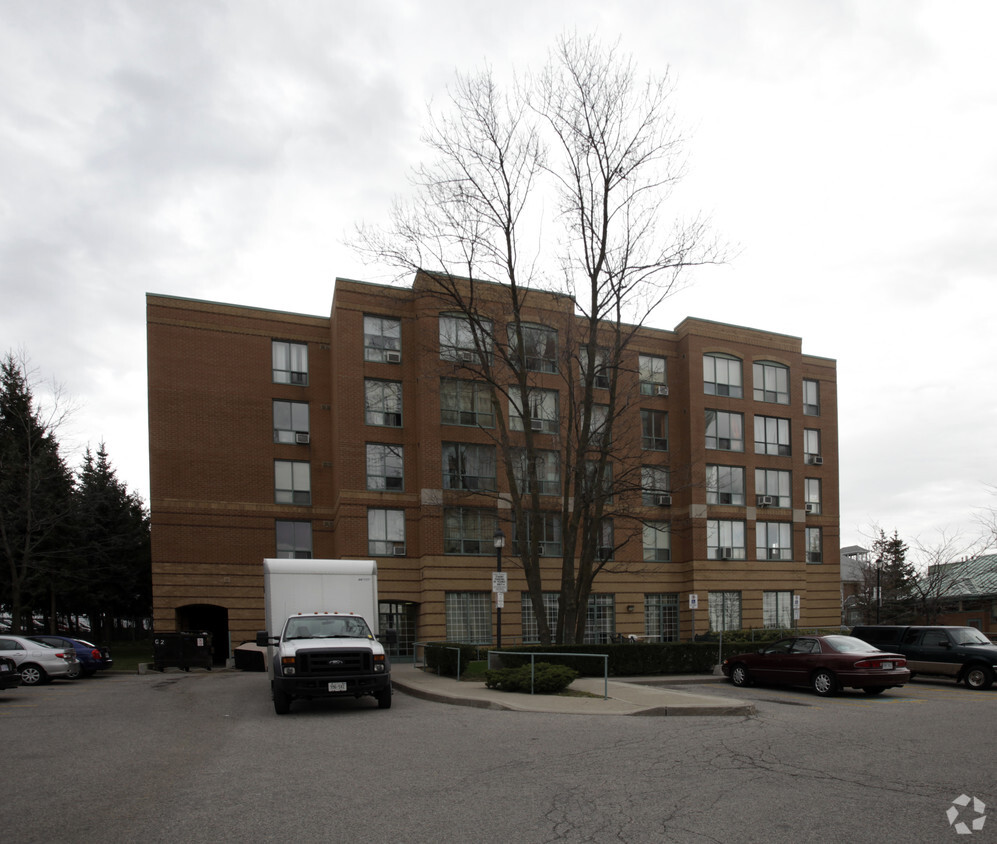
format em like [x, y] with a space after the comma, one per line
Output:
[937, 580]
[553, 193]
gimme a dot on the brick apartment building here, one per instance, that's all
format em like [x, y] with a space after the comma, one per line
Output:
[280, 434]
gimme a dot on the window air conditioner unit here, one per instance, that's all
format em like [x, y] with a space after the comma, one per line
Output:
[399, 550]
[810, 508]
[465, 355]
[605, 552]
[299, 377]
[393, 357]
[726, 553]
[540, 551]
[816, 460]
[536, 424]
[302, 437]
[662, 391]
[663, 500]
[765, 500]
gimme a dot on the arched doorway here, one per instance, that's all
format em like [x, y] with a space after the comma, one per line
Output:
[209, 618]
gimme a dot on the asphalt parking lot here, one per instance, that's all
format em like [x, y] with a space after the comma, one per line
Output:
[201, 757]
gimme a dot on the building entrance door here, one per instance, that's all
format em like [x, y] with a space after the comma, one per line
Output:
[400, 616]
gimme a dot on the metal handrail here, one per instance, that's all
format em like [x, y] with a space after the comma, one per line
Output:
[533, 654]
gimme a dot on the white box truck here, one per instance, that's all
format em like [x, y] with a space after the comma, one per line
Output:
[322, 635]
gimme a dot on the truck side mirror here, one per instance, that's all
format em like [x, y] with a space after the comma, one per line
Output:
[262, 639]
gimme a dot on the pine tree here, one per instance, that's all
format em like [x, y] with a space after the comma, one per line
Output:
[895, 576]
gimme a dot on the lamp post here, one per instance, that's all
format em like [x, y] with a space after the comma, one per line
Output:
[879, 586]
[499, 540]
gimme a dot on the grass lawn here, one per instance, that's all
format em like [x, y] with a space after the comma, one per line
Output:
[127, 655]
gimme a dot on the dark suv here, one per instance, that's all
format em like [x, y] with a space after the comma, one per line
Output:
[963, 653]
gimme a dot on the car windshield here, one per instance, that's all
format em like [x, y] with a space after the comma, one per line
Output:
[969, 636]
[327, 627]
[849, 645]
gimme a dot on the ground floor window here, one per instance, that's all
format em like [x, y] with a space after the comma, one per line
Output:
[469, 617]
[600, 619]
[529, 619]
[661, 617]
[777, 609]
[725, 611]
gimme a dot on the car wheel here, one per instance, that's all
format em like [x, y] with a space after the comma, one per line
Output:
[739, 675]
[384, 699]
[33, 675]
[281, 703]
[74, 671]
[825, 683]
[979, 677]
[875, 691]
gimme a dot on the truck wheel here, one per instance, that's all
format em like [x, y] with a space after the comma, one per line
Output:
[978, 677]
[384, 699]
[281, 703]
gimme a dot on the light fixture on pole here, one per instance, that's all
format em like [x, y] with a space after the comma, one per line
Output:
[499, 540]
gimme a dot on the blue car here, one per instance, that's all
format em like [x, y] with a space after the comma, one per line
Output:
[91, 659]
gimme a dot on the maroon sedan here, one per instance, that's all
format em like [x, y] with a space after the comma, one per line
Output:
[825, 663]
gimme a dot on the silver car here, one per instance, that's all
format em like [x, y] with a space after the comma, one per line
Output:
[38, 663]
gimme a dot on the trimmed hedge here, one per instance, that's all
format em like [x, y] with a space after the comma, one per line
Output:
[631, 660]
[542, 679]
[442, 656]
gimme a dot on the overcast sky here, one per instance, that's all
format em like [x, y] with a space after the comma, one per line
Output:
[224, 150]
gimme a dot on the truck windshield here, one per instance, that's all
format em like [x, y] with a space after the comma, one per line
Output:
[969, 636]
[327, 627]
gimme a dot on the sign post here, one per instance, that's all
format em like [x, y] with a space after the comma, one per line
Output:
[693, 605]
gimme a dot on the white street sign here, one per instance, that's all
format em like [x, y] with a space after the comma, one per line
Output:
[500, 581]
[693, 601]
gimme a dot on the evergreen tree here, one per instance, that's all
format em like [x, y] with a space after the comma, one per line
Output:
[895, 577]
[35, 498]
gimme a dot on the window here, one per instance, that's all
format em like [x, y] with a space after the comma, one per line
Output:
[386, 533]
[530, 631]
[722, 376]
[469, 617]
[771, 382]
[539, 347]
[467, 466]
[661, 617]
[599, 434]
[606, 544]
[814, 540]
[382, 339]
[772, 436]
[725, 540]
[467, 531]
[598, 485]
[773, 488]
[654, 430]
[654, 483]
[549, 542]
[811, 445]
[290, 363]
[773, 541]
[600, 619]
[812, 495]
[290, 422]
[383, 403]
[657, 542]
[292, 482]
[458, 336]
[725, 611]
[294, 540]
[546, 473]
[653, 374]
[385, 467]
[811, 397]
[725, 485]
[600, 378]
[543, 410]
[724, 431]
[466, 403]
[777, 609]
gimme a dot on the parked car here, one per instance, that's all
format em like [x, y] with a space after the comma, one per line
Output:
[37, 662]
[825, 663]
[90, 658]
[963, 653]
[10, 677]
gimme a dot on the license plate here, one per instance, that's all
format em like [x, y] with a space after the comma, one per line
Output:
[337, 687]
[4, 667]
[888, 666]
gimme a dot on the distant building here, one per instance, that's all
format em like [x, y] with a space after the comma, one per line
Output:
[282, 434]
[963, 593]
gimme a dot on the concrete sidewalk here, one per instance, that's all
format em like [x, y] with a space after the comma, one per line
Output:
[626, 696]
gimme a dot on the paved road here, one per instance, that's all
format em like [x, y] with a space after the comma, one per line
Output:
[201, 757]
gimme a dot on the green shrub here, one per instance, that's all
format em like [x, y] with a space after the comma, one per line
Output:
[546, 679]
[629, 660]
[442, 657]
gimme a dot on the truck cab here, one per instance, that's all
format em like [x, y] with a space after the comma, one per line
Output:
[327, 654]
